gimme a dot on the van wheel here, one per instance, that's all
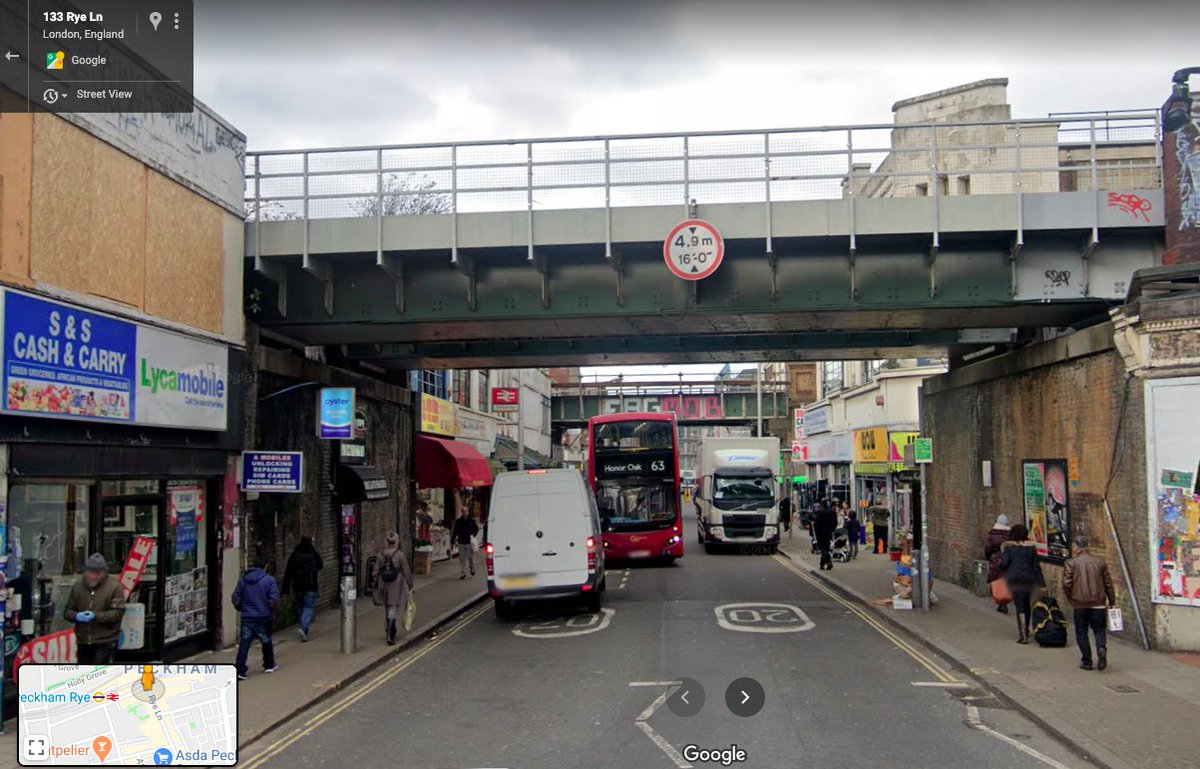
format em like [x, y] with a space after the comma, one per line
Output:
[603, 583]
[503, 608]
[593, 603]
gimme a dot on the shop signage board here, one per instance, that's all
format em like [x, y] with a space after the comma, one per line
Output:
[277, 471]
[438, 416]
[693, 249]
[799, 452]
[871, 445]
[65, 362]
[923, 451]
[352, 453]
[896, 443]
[816, 420]
[506, 398]
[798, 422]
[335, 413]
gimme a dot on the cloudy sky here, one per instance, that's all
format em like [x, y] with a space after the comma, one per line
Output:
[302, 73]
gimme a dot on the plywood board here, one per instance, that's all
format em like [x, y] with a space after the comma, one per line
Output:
[185, 255]
[16, 161]
[88, 213]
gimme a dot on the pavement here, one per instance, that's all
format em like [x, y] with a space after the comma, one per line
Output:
[559, 686]
[1138, 713]
[309, 673]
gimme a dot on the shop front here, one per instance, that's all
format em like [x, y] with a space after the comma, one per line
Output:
[451, 475]
[829, 456]
[114, 439]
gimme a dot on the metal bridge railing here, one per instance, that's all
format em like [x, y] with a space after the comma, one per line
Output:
[1117, 151]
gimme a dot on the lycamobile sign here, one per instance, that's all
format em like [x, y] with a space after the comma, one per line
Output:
[182, 382]
[201, 383]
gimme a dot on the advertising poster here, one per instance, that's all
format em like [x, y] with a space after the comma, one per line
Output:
[185, 506]
[1047, 506]
[335, 413]
[1173, 489]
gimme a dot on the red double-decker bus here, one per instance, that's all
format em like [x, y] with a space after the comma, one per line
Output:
[633, 468]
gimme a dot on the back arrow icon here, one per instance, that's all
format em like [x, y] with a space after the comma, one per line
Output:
[745, 697]
[684, 698]
[10, 55]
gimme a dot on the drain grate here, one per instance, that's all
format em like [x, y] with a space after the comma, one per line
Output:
[1123, 689]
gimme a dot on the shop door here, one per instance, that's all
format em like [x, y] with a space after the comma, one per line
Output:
[123, 520]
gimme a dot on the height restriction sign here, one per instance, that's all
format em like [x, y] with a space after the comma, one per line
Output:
[693, 250]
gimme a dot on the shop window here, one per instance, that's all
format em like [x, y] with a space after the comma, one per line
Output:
[186, 585]
[129, 488]
[47, 529]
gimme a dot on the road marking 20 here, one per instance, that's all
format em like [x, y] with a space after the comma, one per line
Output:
[564, 626]
[757, 617]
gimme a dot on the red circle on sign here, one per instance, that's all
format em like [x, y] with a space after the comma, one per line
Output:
[718, 246]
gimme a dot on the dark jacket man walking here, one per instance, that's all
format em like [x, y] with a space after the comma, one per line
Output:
[1089, 588]
[823, 527]
[96, 605]
[300, 579]
[256, 597]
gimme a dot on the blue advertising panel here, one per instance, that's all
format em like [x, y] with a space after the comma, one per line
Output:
[335, 412]
[62, 361]
[279, 471]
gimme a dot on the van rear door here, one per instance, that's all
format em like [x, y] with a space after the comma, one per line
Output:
[563, 523]
[512, 527]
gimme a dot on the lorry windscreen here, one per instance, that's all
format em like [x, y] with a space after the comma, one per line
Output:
[742, 493]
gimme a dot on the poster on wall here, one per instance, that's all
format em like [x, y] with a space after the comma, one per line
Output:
[1047, 506]
[1173, 481]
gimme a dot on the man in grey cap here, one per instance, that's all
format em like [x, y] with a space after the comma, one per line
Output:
[1089, 588]
[96, 605]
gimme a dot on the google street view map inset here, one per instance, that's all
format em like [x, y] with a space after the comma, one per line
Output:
[128, 715]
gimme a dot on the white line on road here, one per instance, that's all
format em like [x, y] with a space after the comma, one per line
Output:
[975, 722]
[943, 684]
[653, 683]
[654, 736]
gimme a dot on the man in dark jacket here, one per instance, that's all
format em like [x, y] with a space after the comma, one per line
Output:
[465, 528]
[256, 597]
[1089, 588]
[96, 605]
[823, 527]
[300, 580]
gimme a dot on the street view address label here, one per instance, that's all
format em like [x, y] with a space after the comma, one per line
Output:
[127, 715]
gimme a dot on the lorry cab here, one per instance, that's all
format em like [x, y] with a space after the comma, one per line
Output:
[543, 540]
[737, 499]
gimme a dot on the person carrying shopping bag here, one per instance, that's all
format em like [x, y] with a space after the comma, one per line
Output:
[993, 543]
[393, 584]
[1023, 573]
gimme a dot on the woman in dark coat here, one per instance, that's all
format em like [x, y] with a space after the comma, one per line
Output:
[823, 527]
[1023, 573]
[993, 543]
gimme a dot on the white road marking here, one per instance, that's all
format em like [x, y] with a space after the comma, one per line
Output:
[576, 625]
[653, 683]
[943, 684]
[975, 722]
[758, 617]
[654, 736]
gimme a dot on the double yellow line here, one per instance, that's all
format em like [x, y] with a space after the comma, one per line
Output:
[341, 706]
[942, 675]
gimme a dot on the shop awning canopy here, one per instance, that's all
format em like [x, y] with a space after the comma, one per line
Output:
[360, 483]
[447, 464]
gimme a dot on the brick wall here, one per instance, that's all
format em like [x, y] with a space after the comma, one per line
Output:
[285, 419]
[1067, 398]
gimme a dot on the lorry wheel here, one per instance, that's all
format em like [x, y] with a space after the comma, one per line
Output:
[710, 548]
[503, 608]
[593, 603]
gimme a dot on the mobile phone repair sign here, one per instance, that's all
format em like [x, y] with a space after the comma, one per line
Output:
[273, 471]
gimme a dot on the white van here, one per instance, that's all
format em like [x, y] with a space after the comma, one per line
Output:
[543, 539]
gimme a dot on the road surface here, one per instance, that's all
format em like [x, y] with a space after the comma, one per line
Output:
[563, 688]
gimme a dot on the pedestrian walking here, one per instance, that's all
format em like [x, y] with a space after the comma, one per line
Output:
[393, 581]
[256, 598]
[785, 513]
[852, 528]
[463, 534]
[1089, 588]
[823, 527]
[96, 605]
[993, 543]
[300, 579]
[880, 519]
[1022, 573]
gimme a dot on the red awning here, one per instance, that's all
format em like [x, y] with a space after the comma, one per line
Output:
[446, 464]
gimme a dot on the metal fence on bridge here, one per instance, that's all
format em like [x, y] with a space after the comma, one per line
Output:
[1118, 151]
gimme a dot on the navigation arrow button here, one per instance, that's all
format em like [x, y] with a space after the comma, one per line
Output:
[688, 698]
[11, 55]
[745, 697]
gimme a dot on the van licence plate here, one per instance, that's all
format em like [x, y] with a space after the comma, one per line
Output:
[639, 554]
[509, 583]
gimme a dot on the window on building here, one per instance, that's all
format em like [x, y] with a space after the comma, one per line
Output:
[48, 542]
[433, 382]
[461, 391]
[485, 391]
[832, 375]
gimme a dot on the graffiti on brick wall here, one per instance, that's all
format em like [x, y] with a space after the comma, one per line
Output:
[1187, 152]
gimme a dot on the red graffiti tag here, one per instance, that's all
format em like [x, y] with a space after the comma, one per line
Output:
[1134, 205]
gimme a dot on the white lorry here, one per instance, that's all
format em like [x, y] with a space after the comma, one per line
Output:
[737, 498]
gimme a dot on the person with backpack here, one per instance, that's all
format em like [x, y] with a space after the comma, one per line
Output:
[463, 533]
[256, 597]
[1022, 573]
[300, 580]
[1089, 588]
[393, 581]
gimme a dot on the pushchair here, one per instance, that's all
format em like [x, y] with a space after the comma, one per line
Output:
[839, 546]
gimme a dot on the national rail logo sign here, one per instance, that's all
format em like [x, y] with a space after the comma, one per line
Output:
[693, 249]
